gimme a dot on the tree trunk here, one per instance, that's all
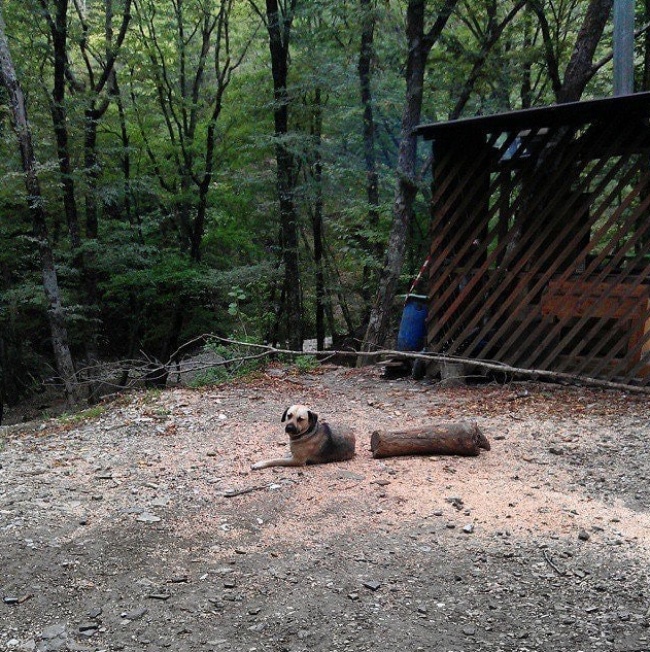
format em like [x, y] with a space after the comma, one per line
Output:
[366, 54]
[317, 221]
[645, 83]
[491, 37]
[279, 28]
[419, 46]
[59, 31]
[580, 68]
[463, 438]
[223, 71]
[55, 310]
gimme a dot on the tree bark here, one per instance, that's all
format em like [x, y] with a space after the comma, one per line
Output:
[366, 54]
[59, 30]
[279, 29]
[419, 45]
[580, 68]
[491, 37]
[55, 311]
[462, 438]
[317, 219]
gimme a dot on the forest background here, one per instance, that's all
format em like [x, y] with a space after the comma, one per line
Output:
[244, 168]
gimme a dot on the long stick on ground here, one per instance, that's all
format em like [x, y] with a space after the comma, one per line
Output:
[538, 374]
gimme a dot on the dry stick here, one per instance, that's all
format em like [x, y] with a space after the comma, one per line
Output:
[231, 493]
[559, 571]
[270, 351]
[435, 357]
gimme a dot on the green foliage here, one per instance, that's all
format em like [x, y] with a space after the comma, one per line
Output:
[238, 361]
[139, 285]
[306, 363]
[85, 415]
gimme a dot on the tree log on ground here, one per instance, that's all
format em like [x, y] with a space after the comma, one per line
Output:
[460, 438]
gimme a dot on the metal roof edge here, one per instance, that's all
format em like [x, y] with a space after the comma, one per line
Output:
[580, 112]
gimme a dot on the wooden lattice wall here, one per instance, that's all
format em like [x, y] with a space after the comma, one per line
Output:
[540, 254]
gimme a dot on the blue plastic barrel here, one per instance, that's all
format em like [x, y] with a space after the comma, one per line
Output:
[413, 327]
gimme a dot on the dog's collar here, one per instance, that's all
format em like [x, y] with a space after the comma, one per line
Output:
[310, 431]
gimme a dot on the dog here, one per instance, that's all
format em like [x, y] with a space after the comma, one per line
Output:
[311, 441]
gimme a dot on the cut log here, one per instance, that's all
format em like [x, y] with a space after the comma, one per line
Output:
[460, 438]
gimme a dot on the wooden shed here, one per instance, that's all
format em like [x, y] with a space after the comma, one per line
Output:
[540, 238]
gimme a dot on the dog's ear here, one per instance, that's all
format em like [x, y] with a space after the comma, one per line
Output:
[284, 416]
[313, 418]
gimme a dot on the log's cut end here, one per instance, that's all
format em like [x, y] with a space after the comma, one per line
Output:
[460, 438]
[481, 440]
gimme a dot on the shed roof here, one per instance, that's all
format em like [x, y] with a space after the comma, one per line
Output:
[623, 107]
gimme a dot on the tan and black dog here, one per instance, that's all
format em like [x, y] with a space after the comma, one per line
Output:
[312, 441]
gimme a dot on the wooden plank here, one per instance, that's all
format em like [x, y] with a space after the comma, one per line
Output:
[566, 299]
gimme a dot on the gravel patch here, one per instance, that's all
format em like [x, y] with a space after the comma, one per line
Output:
[143, 527]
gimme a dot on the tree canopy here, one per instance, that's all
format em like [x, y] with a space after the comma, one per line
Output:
[246, 168]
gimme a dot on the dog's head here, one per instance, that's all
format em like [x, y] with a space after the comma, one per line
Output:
[299, 420]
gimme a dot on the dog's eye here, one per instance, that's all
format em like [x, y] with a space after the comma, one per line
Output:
[301, 418]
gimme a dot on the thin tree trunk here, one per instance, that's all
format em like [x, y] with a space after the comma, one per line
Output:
[317, 221]
[366, 54]
[419, 45]
[223, 67]
[55, 310]
[59, 31]
[645, 83]
[493, 33]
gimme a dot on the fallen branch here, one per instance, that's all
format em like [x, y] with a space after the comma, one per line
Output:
[263, 351]
[439, 357]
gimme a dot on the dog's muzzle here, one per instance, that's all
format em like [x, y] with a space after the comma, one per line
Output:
[291, 429]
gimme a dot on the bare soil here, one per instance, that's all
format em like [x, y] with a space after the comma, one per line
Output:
[143, 527]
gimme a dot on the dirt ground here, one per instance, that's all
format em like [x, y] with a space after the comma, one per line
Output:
[143, 527]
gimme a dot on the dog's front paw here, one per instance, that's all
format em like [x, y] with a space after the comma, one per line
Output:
[257, 466]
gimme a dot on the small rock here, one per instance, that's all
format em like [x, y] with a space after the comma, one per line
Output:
[53, 631]
[469, 631]
[468, 529]
[456, 501]
[84, 627]
[349, 475]
[583, 535]
[134, 614]
[148, 517]
[353, 596]
[373, 585]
